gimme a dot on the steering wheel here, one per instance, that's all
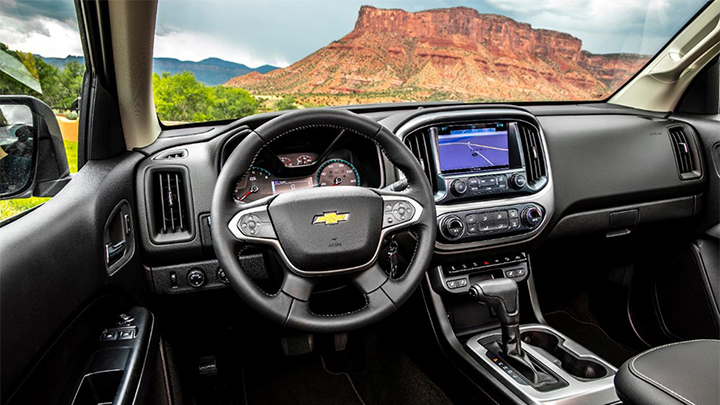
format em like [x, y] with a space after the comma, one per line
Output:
[324, 232]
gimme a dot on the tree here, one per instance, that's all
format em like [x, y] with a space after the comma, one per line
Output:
[59, 87]
[232, 102]
[181, 97]
[286, 103]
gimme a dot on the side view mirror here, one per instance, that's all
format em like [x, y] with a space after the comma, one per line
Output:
[32, 155]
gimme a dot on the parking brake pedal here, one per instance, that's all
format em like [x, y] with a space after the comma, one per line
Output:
[298, 344]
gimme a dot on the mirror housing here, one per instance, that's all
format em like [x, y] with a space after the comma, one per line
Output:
[32, 148]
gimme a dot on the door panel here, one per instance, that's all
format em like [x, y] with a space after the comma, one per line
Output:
[52, 266]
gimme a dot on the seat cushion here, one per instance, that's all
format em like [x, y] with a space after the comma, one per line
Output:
[678, 373]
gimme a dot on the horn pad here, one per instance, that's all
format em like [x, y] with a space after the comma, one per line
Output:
[328, 228]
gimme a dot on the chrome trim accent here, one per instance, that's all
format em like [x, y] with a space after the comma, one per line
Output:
[545, 197]
[273, 242]
[578, 392]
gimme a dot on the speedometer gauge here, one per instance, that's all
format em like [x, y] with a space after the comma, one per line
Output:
[257, 183]
[337, 172]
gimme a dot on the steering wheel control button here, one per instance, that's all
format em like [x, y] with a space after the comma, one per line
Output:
[256, 225]
[222, 276]
[398, 212]
[196, 278]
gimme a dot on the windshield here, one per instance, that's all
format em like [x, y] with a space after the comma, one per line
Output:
[221, 60]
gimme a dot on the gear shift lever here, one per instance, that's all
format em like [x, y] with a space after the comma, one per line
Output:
[502, 295]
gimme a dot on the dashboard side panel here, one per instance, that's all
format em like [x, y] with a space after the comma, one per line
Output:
[605, 161]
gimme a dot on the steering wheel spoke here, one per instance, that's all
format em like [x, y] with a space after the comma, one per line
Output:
[370, 279]
[298, 287]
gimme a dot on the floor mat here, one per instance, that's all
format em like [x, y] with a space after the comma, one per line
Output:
[590, 335]
[305, 380]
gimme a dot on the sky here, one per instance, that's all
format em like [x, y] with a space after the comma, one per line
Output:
[281, 32]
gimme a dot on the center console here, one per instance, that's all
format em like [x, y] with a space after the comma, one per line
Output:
[490, 173]
[493, 187]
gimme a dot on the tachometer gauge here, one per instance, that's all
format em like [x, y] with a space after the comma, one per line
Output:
[303, 160]
[337, 172]
[256, 184]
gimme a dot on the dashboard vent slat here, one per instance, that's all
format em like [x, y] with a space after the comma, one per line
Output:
[532, 150]
[419, 145]
[685, 155]
[169, 204]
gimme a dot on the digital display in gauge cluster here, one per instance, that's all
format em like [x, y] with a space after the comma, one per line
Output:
[259, 182]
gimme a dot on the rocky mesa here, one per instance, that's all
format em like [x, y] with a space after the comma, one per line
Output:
[453, 53]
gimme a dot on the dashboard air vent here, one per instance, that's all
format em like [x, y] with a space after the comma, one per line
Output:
[169, 204]
[685, 152]
[173, 154]
[533, 154]
[419, 146]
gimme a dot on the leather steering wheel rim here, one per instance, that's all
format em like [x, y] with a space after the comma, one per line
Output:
[290, 305]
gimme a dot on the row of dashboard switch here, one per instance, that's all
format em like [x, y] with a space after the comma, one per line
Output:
[492, 221]
[483, 263]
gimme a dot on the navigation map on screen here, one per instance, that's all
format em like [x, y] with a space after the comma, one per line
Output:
[474, 149]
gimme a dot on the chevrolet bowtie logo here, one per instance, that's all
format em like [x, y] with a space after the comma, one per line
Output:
[331, 218]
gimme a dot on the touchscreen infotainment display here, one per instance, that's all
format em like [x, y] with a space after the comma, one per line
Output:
[473, 148]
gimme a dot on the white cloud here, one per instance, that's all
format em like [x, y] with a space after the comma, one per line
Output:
[606, 25]
[40, 35]
[193, 46]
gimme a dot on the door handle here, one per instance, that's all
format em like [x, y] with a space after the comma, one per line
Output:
[114, 251]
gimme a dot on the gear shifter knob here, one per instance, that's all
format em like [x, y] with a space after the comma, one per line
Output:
[501, 295]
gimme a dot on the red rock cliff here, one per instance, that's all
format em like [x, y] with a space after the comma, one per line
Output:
[450, 53]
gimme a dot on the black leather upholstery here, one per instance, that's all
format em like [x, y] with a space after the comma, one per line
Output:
[678, 373]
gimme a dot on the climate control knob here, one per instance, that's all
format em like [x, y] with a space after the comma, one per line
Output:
[532, 216]
[458, 187]
[452, 227]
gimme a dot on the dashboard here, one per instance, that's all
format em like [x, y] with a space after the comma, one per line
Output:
[504, 178]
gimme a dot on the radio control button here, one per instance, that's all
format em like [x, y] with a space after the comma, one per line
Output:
[459, 187]
[473, 183]
[518, 181]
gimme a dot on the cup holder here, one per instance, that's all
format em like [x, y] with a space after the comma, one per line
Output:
[581, 368]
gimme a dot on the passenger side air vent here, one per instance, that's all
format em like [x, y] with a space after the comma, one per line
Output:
[685, 151]
[169, 204]
[419, 145]
[533, 154]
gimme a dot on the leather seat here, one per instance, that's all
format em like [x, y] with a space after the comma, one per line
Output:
[678, 373]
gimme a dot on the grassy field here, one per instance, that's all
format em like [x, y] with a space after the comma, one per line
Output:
[9, 208]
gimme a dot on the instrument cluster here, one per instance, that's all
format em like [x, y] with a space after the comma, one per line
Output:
[259, 182]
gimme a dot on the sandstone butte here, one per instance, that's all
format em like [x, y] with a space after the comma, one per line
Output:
[453, 53]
